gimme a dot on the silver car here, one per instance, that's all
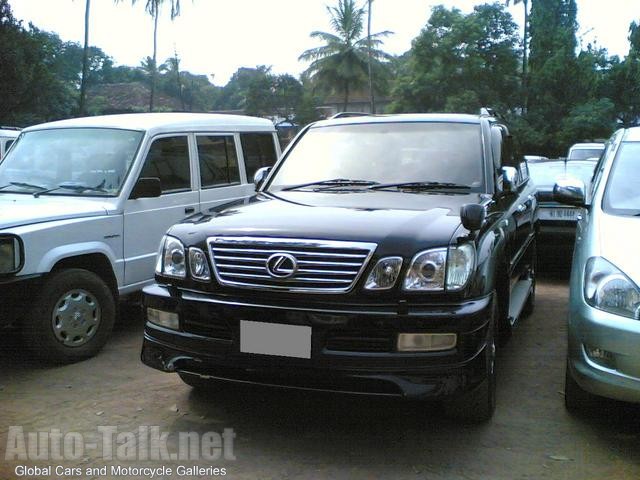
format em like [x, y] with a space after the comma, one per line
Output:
[604, 315]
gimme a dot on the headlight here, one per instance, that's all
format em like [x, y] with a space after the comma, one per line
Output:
[607, 288]
[427, 271]
[9, 255]
[440, 268]
[384, 274]
[460, 264]
[171, 260]
[198, 264]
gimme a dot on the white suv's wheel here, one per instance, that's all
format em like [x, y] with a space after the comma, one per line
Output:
[72, 316]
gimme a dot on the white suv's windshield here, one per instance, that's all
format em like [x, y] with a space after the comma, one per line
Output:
[69, 161]
[386, 153]
[622, 195]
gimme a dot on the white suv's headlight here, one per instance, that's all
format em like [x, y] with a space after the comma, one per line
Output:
[9, 255]
[607, 288]
[171, 258]
[441, 268]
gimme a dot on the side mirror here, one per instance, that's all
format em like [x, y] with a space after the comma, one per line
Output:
[472, 216]
[260, 176]
[570, 191]
[509, 177]
[146, 187]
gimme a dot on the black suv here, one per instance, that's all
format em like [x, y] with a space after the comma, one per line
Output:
[384, 255]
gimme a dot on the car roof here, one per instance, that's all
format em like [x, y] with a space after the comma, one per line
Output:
[403, 117]
[9, 133]
[164, 122]
[633, 134]
[579, 146]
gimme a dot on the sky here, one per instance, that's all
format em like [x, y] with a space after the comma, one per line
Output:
[216, 37]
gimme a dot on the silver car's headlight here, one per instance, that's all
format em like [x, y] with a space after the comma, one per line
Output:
[171, 258]
[10, 255]
[441, 268]
[607, 288]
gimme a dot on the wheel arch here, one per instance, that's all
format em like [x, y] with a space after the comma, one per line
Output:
[97, 263]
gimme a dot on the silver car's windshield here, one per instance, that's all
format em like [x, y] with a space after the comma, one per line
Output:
[385, 153]
[622, 195]
[69, 161]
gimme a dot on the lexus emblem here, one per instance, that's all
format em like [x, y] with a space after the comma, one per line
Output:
[281, 265]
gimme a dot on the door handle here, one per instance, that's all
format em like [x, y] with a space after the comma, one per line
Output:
[189, 210]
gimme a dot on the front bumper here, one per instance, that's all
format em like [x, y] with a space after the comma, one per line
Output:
[618, 376]
[352, 347]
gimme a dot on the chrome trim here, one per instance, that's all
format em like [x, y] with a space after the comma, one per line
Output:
[228, 249]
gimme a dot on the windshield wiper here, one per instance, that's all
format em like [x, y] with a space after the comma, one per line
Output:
[25, 185]
[335, 182]
[76, 187]
[421, 186]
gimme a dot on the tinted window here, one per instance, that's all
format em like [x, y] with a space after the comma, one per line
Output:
[259, 151]
[387, 153]
[622, 195]
[8, 144]
[168, 159]
[218, 161]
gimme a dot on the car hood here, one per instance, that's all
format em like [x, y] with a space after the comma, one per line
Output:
[392, 219]
[619, 243]
[18, 210]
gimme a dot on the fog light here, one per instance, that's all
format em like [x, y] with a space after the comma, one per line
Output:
[162, 318]
[601, 357]
[426, 342]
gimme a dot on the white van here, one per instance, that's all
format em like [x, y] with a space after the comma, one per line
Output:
[84, 204]
[7, 137]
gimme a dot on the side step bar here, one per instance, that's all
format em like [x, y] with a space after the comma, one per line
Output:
[519, 295]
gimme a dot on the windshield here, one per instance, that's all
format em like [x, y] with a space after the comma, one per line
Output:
[622, 195]
[546, 175]
[69, 161]
[584, 153]
[386, 153]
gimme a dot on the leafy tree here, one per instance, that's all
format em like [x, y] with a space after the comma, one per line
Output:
[153, 8]
[461, 62]
[623, 82]
[341, 64]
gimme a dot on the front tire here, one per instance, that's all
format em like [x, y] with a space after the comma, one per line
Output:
[71, 318]
[479, 404]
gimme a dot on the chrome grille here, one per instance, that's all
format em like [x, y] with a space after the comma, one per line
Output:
[319, 266]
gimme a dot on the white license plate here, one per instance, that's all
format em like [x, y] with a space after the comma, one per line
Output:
[275, 339]
[559, 213]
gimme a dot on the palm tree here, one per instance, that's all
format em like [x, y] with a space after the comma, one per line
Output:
[85, 60]
[153, 8]
[340, 65]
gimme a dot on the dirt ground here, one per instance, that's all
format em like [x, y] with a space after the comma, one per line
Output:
[283, 435]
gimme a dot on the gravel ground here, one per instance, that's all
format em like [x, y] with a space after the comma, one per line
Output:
[281, 435]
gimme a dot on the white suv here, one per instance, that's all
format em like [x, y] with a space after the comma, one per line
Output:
[7, 137]
[85, 203]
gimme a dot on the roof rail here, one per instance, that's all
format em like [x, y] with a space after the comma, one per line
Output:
[349, 114]
[3, 127]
